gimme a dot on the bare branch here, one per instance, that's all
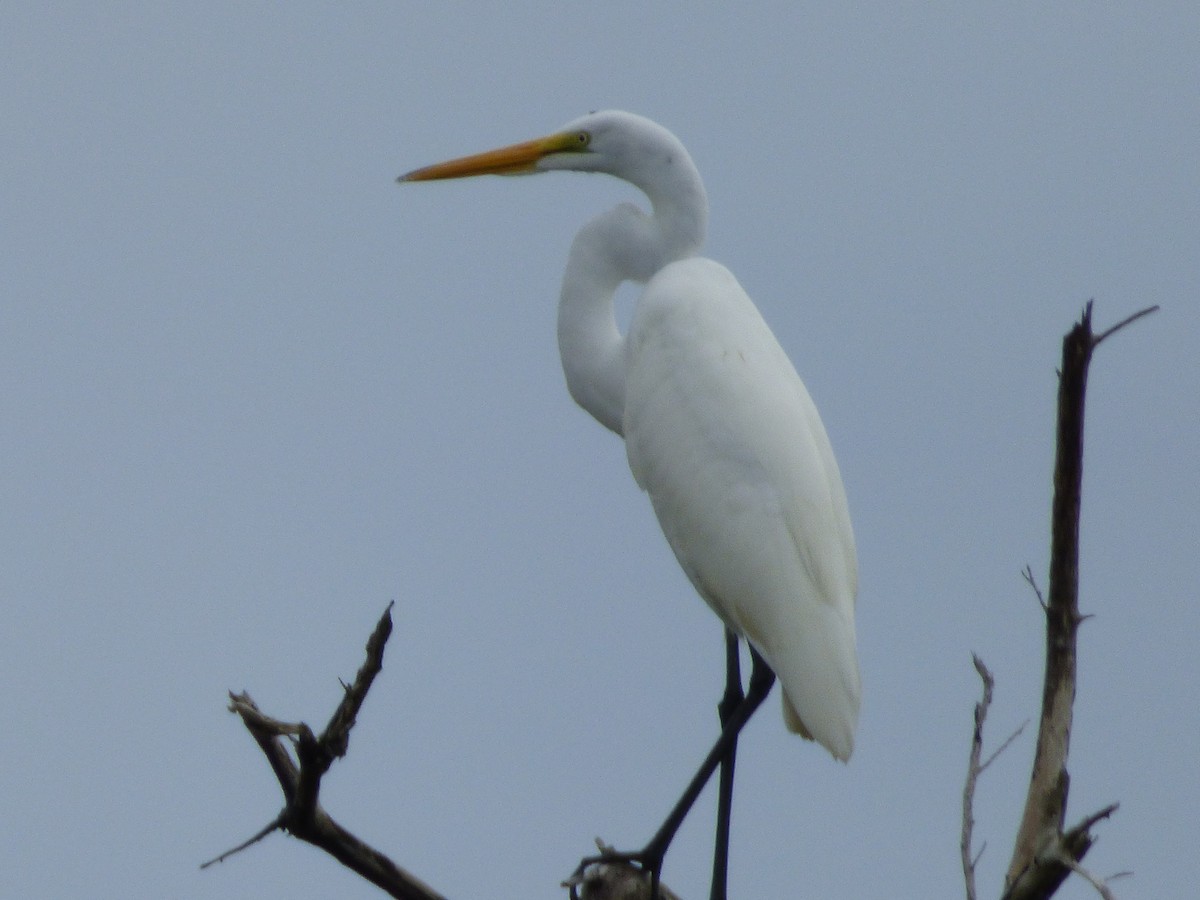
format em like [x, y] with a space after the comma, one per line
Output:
[1095, 817]
[975, 768]
[1004, 746]
[973, 771]
[1042, 851]
[266, 732]
[1028, 576]
[266, 829]
[336, 735]
[1127, 321]
[1100, 886]
[302, 815]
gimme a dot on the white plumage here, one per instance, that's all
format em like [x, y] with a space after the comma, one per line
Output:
[723, 436]
[718, 427]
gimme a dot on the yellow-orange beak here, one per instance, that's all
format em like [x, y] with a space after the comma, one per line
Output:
[515, 159]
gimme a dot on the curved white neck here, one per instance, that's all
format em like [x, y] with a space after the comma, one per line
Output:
[623, 244]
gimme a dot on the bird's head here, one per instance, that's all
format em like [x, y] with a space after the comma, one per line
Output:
[615, 142]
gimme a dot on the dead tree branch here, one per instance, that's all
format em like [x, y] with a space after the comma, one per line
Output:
[1044, 855]
[975, 768]
[302, 815]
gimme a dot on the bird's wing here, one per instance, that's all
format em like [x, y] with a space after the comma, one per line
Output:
[722, 435]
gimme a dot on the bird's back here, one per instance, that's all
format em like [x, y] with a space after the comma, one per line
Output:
[722, 435]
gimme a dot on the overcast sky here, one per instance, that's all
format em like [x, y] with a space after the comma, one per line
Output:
[252, 391]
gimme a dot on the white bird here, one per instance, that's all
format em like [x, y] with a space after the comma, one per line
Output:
[719, 429]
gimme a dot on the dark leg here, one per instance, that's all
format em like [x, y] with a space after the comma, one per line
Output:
[725, 709]
[651, 856]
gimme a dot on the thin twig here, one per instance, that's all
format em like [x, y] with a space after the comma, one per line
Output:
[1100, 886]
[975, 768]
[1028, 576]
[267, 829]
[1126, 321]
[973, 771]
[1004, 746]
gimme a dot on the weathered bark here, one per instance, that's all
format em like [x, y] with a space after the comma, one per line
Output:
[1044, 855]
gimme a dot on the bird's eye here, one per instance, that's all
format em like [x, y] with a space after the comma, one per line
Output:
[582, 139]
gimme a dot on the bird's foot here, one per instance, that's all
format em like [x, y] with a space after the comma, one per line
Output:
[611, 873]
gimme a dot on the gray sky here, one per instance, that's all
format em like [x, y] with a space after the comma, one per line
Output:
[253, 391]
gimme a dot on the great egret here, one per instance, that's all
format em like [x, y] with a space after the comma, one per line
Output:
[719, 431]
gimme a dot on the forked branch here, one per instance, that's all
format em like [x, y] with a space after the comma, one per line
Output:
[300, 778]
[302, 815]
